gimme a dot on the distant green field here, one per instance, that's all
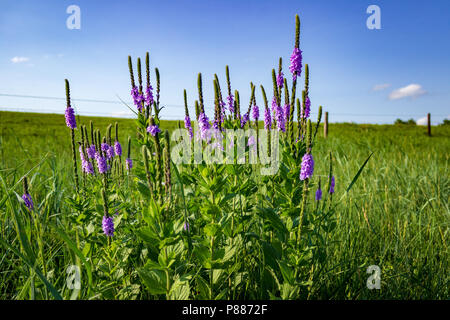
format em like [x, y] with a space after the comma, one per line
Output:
[397, 215]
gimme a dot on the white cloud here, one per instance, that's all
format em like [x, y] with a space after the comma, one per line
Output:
[422, 121]
[379, 87]
[412, 90]
[121, 114]
[19, 59]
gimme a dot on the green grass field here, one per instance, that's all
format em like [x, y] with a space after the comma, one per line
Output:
[396, 216]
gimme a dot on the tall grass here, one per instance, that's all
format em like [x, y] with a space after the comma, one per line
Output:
[396, 216]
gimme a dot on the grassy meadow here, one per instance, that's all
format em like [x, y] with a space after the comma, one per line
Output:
[395, 216]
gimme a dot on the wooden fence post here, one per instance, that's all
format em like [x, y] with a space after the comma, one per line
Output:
[325, 125]
[429, 124]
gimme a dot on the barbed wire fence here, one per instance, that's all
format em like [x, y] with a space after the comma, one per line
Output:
[177, 114]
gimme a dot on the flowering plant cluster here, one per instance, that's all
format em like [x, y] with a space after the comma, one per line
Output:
[199, 229]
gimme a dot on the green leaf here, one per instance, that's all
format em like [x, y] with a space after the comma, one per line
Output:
[286, 272]
[180, 290]
[211, 229]
[154, 279]
[358, 173]
[203, 255]
[273, 218]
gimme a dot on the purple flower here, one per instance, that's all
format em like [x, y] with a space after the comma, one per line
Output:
[117, 148]
[244, 119]
[296, 63]
[110, 152]
[280, 80]
[90, 151]
[188, 126]
[129, 164]
[307, 168]
[80, 149]
[104, 147]
[101, 163]
[286, 111]
[230, 101]
[307, 108]
[332, 185]
[108, 226]
[274, 104]
[318, 194]
[138, 98]
[251, 142]
[28, 201]
[149, 95]
[70, 118]
[255, 112]
[204, 126]
[87, 166]
[279, 116]
[186, 226]
[267, 119]
[153, 130]
[222, 110]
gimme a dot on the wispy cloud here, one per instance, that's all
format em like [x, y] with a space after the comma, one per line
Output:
[19, 59]
[379, 87]
[122, 114]
[412, 90]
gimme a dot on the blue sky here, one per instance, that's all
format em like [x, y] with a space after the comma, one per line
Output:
[407, 60]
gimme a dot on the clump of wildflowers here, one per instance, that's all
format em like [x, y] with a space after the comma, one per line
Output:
[307, 167]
